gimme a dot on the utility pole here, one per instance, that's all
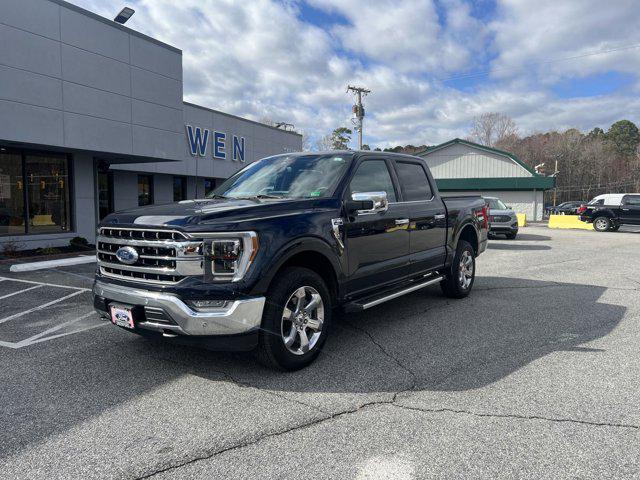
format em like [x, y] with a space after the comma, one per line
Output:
[358, 110]
[555, 189]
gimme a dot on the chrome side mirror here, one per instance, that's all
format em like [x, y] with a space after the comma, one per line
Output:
[368, 202]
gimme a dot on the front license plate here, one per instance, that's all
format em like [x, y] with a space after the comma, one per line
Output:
[121, 316]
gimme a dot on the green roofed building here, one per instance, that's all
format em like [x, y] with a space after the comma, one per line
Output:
[461, 167]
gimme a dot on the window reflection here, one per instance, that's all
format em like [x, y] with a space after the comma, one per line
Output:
[48, 194]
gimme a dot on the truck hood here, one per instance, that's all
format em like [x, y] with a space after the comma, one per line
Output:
[509, 212]
[192, 213]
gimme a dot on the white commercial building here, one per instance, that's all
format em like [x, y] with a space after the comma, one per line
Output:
[461, 167]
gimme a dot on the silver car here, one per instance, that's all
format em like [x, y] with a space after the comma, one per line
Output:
[502, 220]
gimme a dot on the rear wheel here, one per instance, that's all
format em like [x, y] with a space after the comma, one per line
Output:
[296, 320]
[459, 280]
[601, 224]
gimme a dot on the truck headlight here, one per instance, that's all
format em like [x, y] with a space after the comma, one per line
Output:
[229, 255]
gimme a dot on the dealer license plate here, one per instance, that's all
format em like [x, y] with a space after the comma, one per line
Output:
[122, 316]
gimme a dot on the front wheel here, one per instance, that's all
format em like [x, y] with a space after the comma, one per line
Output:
[512, 236]
[296, 320]
[462, 274]
[601, 224]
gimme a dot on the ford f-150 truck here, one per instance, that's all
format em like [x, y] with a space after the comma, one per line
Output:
[607, 212]
[263, 262]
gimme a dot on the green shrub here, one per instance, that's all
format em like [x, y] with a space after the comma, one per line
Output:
[79, 242]
[48, 251]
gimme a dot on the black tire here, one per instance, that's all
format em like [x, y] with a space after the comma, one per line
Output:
[512, 236]
[601, 224]
[452, 286]
[272, 351]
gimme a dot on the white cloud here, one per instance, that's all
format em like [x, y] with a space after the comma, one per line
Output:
[258, 58]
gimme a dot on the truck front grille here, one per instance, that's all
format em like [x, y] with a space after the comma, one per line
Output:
[163, 256]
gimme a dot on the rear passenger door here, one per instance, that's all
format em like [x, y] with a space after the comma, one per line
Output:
[377, 243]
[630, 209]
[427, 216]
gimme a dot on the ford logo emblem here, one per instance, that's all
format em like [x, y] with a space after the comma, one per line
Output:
[127, 255]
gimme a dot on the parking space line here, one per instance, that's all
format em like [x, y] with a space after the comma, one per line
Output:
[56, 328]
[40, 307]
[45, 284]
[20, 291]
[90, 327]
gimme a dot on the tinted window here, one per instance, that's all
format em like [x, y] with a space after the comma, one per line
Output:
[373, 176]
[632, 200]
[413, 181]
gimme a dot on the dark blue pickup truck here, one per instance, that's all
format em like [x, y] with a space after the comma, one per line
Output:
[264, 261]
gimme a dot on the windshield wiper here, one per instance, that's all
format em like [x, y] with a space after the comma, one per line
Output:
[221, 197]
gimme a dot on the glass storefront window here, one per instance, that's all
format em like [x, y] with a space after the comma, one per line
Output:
[48, 194]
[35, 193]
[11, 195]
[145, 190]
[209, 186]
[105, 193]
[179, 189]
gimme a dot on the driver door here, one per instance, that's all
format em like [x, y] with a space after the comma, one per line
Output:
[377, 244]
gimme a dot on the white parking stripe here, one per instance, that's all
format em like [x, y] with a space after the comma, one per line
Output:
[90, 327]
[45, 284]
[40, 307]
[57, 327]
[20, 291]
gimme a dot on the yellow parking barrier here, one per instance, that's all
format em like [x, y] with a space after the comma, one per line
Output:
[522, 219]
[568, 221]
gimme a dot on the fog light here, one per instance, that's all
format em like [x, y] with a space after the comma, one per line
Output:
[207, 304]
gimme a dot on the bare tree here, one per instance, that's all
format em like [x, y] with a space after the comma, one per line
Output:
[492, 128]
[324, 143]
[306, 141]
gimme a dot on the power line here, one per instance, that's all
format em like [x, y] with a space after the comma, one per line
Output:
[483, 73]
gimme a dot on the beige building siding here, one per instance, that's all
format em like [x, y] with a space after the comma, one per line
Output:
[528, 202]
[464, 161]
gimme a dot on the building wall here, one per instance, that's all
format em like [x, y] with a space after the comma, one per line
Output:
[69, 78]
[528, 202]
[260, 141]
[464, 161]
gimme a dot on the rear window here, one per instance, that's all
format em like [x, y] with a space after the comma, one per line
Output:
[413, 181]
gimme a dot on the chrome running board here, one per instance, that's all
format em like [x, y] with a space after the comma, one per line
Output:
[369, 302]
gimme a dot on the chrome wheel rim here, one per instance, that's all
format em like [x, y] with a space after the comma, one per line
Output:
[465, 270]
[601, 224]
[302, 320]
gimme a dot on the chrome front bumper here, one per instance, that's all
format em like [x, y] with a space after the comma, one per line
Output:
[240, 316]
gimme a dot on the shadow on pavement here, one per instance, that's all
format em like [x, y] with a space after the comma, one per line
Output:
[424, 339]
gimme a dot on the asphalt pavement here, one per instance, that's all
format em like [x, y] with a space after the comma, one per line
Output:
[536, 374]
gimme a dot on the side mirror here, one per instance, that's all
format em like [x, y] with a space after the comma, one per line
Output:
[367, 202]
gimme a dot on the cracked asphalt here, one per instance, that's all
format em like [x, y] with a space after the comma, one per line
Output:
[536, 375]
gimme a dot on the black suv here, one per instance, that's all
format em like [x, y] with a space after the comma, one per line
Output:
[263, 262]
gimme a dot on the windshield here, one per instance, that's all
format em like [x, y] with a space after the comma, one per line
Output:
[496, 204]
[286, 176]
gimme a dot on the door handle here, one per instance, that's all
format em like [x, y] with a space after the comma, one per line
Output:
[439, 216]
[625, 209]
[402, 221]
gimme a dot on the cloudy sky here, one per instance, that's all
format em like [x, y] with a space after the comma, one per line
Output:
[432, 65]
